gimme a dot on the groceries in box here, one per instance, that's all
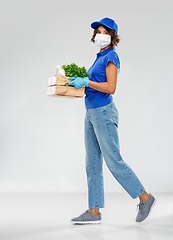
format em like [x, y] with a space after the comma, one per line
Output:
[57, 86]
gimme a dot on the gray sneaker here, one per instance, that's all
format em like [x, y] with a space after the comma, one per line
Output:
[145, 209]
[87, 218]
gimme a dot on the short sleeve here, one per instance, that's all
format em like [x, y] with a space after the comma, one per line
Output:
[113, 57]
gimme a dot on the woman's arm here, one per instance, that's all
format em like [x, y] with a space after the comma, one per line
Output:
[110, 85]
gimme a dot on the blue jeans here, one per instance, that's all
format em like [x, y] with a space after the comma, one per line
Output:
[101, 141]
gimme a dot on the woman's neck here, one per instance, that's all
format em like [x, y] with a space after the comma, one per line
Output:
[103, 49]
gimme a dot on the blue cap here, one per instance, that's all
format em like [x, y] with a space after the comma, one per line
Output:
[106, 22]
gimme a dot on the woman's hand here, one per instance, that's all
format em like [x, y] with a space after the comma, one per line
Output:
[110, 85]
[79, 82]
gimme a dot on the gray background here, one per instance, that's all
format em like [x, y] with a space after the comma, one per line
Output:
[42, 138]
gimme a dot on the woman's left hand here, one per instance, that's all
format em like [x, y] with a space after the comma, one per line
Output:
[79, 82]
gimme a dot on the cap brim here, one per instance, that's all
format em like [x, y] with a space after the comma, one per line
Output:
[95, 24]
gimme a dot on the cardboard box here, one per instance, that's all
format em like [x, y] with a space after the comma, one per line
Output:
[57, 88]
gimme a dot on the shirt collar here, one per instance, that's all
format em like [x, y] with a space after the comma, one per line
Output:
[106, 51]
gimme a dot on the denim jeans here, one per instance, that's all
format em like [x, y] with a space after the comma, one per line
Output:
[101, 141]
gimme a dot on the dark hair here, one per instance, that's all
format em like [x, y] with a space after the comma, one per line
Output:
[114, 36]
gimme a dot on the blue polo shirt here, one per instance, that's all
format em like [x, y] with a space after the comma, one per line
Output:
[97, 73]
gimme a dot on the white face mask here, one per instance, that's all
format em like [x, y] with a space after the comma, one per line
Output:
[102, 40]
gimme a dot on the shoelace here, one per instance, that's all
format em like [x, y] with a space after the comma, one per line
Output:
[141, 206]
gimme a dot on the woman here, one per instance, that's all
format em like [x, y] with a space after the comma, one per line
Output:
[101, 123]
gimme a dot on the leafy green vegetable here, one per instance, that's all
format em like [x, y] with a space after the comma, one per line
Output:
[73, 70]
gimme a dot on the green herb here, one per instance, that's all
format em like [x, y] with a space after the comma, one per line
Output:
[73, 70]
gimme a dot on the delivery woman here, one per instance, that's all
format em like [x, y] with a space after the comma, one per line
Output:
[101, 124]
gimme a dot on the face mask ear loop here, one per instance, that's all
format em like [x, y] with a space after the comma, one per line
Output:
[96, 41]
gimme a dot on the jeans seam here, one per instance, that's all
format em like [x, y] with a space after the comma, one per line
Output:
[95, 176]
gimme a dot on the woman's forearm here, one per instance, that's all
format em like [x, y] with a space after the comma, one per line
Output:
[102, 87]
